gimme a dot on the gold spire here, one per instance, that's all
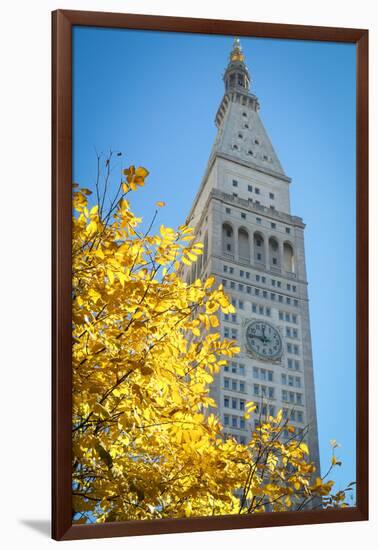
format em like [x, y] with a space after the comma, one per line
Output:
[237, 53]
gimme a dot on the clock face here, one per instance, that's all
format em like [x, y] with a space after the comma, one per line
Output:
[264, 340]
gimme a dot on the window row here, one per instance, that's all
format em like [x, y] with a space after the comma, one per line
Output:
[291, 332]
[264, 410]
[234, 403]
[263, 374]
[240, 287]
[293, 364]
[258, 220]
[293, 415]
[291, 397]
[292, 348]
[263, 391]
[290, 380]
[262, 278]
[288, 317]
[235, 368]
[234, 385]
[237, 422]
[230, 333]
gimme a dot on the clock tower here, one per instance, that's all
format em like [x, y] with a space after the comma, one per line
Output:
[254, 246]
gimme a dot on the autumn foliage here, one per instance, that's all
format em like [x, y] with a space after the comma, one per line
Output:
[146, 441]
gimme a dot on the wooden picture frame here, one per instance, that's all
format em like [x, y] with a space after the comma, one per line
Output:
[62, 23]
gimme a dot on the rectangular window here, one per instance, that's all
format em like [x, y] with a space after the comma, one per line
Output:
[226, 420]
[228, 210]
[271, 392]
[290, 381]
[227, 383]
[243, 215]
[280, 298]
[263, 374]
[250, 188]
[234, 368]
[300, 416]
[271, 195]
[296, 303]
[231, 269]
[288, 331]
[226, 317]
[288, 300]
[254, 308]
[234, 195]
[259, 256]
[296, 365]
[241, 404]
[228, 248]
[297, 382]
[289, 363]
[241, 273]
[270, 375]
[273, 225]
[272, 296]
[273, 281]
[291, 397]
[242, 387]
[255, 372]
[224, 283]
[242, 370]
[283, 379]
[295, 333]
[226, 402]
[296, 349]
[265, 294]
[242, 423]
[241, 287]
[257, 291]
[248, 289]
[234, 404]
[247, 274]
[234, 333]
[274, 261]
[226, 332]
[234, 421]
[287, 229]
[287, 317]
[225, 268]
[241, 304]
[279, 284]
[261, 310]
[263, 280]
[234, 385]
[268, 311]
[257, 278]
[294, 288]
[299, 399]
[257, 191]
[263, 391]
[234, 183]
[271, 410]
[288, 286]
[256, 389]
[294, 319]
[232, 284]
[284, 395]
[280, 315]
[289, 348]
[233, 318]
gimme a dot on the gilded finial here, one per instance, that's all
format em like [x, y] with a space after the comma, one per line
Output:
[236, 53]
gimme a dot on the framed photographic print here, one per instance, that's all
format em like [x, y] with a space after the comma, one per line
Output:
[210, 282]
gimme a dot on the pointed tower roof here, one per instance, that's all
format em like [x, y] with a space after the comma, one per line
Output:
[241, 133]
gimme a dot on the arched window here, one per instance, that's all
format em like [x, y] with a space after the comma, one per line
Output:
[243, 245]
[274, 253]
[288, 259]
[258, 248]
[228, 246]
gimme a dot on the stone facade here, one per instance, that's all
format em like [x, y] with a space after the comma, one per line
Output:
[255, 247]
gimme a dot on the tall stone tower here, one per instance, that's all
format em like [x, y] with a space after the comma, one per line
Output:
[255, 247]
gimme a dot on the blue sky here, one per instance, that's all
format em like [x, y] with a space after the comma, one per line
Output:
[154, 96]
